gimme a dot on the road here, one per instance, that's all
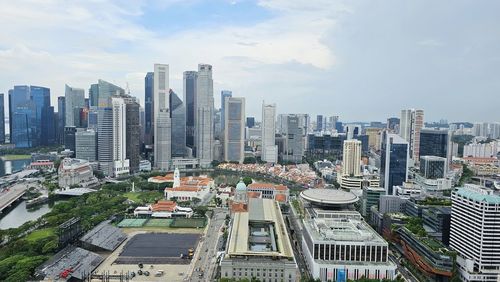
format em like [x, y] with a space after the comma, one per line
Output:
[11, 194]
[407, 275]
[206, 253]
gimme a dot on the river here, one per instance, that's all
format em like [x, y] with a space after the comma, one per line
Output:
[20, 215]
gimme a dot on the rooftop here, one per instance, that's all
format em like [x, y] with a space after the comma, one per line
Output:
[479, 194]
[329, 196]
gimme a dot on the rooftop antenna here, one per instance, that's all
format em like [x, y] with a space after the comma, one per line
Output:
[128, 89]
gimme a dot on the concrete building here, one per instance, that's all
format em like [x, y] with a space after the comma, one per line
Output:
[279, 193]
[475, 234]
[373, 137]
[258, 245]
[394, 162]
[161, 117]
[204, 115]
[121, 165]
[340, 245]
[223, 95]
[269, 148]
[234, 132]
[351, 163]
[148, 109]
[133, 133]
[86, 145]
[163, 209]
[410, 126]
[294, 141]
[75, 172]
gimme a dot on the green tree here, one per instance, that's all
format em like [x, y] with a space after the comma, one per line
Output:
[247, 180]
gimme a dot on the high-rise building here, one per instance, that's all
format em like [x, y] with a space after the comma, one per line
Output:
[133, 133]
[474, 234]
[148, 108]
[410, 125]
[234, 133]
[319, 122]
[70, 138]
[204, 115]
[2, 119]
[351, 160]
[86, 145]
[269, 148]
[189, 101]
[373, 137]
[331, 122]
[294, 141]
[394, 162]
[393, 124]
[75, 100]
[178, 130]
[45, 133]
[432, 167]
[250, 122]
[223, 95]
[433, 143]
[121, 165]
[22, 117]
[94, 95]
[161, 117]
[105, 140]
[107, 90]
[61, 115]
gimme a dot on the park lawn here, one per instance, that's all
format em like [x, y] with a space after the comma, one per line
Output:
[133, 196]
[15, 157]
[39, 234]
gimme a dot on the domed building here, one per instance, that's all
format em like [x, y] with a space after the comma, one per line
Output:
[240, 193]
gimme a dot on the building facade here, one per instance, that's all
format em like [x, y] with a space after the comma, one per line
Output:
[161, 119]
[86, 145]
[223, 95]
[234, 132]
[204, 115]
[178, 130]
[121, 165]
[269, 148]
[411, 123]
[351, 160]
[148, 108]
[434, 143]
[189, 87]
[394, 162]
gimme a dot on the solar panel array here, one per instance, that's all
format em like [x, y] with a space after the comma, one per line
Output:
[104, 236]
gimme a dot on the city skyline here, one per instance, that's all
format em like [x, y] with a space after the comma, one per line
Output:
[419, 60]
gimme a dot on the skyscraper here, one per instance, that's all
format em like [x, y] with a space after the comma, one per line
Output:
[394, 162]
[433, 143]
[294, 140]
[22, 117]
[133, 133]
[189, 101]
[148, 108]
[178, 118]
[268, 127]
[2, 119]
[75, 100]
[94, 95]
[223, 95]
[45, 134]
[161, 118]
[107, 90]
[474, 234]
[393, 124]
[319, 122]
[351, 160]
[105, 140]
[204, 115]
[234, 133]
[61, 115]
[250, 122]
[411, 123]
[121, 165]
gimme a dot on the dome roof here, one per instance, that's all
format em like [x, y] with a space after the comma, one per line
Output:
[241, 186]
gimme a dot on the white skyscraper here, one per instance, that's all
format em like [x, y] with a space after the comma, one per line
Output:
[410, 124]
[204, 115]
[161, 117]
[352, 158]
[74, 99]
[121, 165]
[234, 132]
[268, 127]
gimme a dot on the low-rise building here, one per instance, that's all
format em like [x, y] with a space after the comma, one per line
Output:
[259, 245]
[43, 165]
[278, 193]
[163, 209]
[76, 172]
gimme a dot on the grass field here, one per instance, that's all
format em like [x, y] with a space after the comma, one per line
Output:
[15, 157]
[133, 196]
[38, 234]
[188, 222]
[159, 222]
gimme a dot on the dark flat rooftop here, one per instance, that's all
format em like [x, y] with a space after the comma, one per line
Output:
[157, 247]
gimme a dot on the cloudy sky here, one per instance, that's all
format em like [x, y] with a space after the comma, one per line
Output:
[362, 60]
